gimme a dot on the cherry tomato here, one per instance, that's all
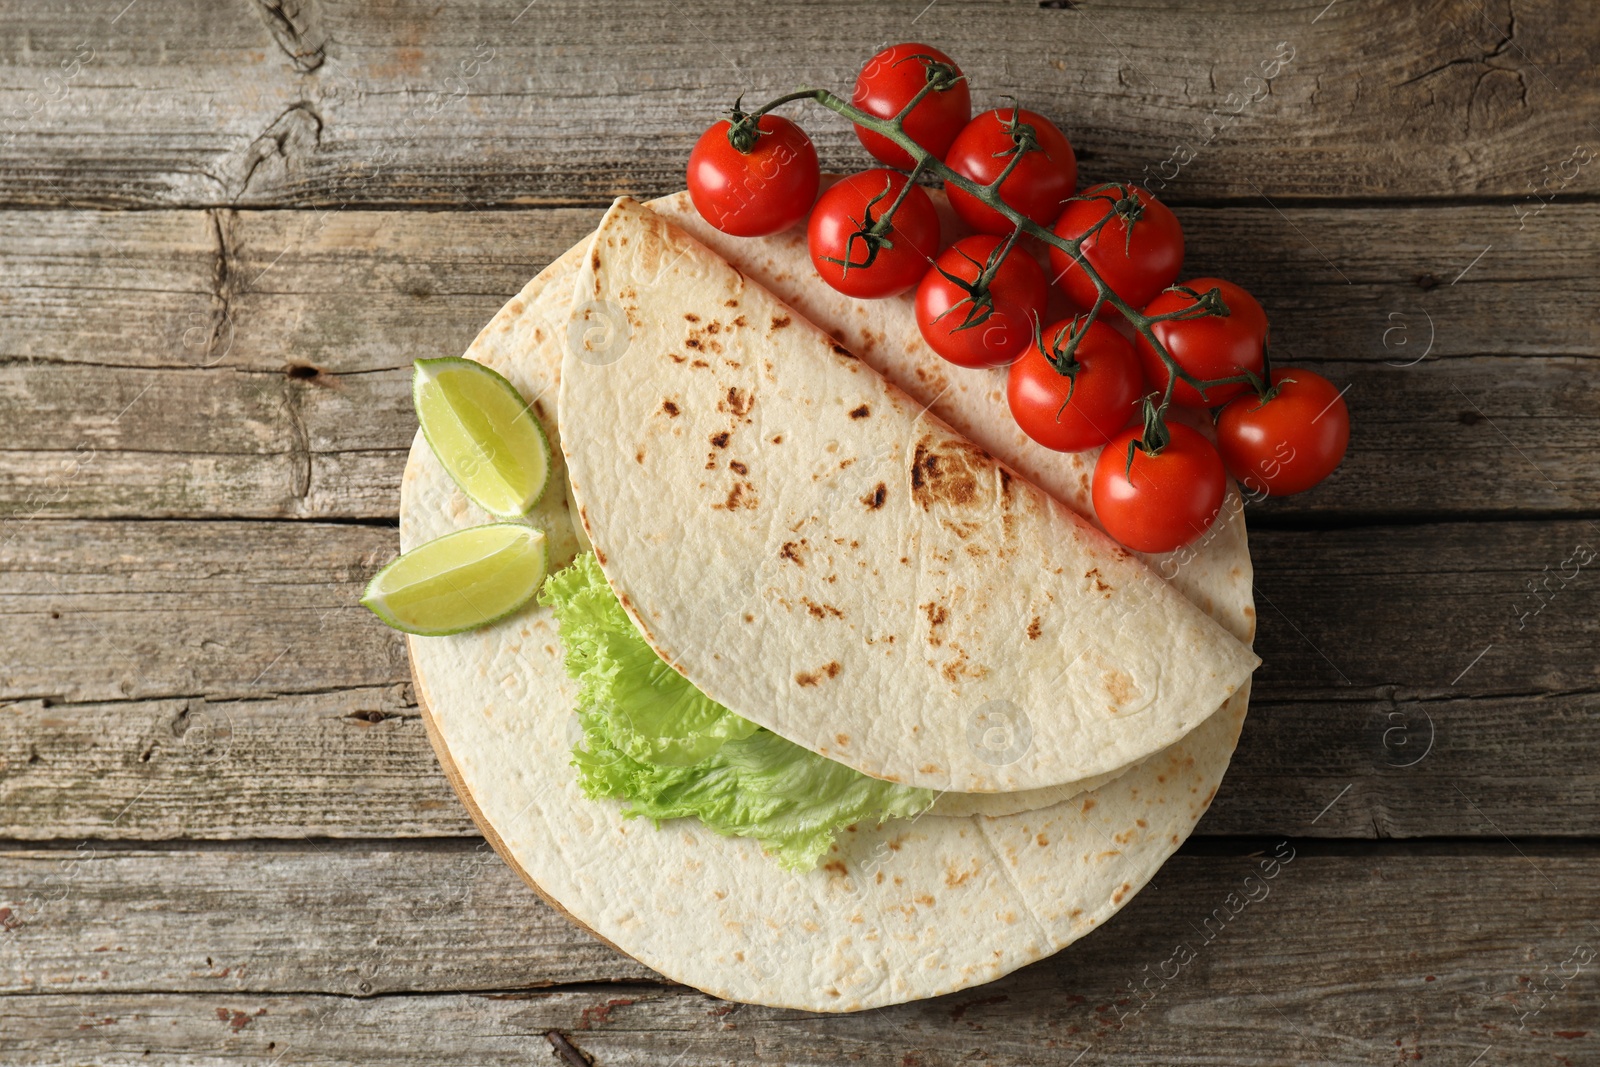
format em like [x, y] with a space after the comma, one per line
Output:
[867, 266]
[889, 81]
[1163, 501]
[1289, 443]
[1137, 265]
[1038, 186]
[754, 193]
[1087, 409]
[1016, 299]
[1210, 346]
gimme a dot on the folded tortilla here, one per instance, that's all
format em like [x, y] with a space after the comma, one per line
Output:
[911, 909]
[814, 550]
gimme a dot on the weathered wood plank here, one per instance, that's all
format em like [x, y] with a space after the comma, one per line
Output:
[355, 103]
[1475, 435]
[201, 634]
[1483, 949]
[95, 611]
[358, 291]
[148, 364]
[353, 762]
[356, 763]
[307, 916]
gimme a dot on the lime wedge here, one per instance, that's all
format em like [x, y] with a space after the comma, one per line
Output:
[485, 435]
[461, 581]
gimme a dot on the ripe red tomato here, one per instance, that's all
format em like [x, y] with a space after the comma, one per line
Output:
[1137, 253]
[1163, 501]
[1087, 409]
[1002, 326]
[1210, 346]
[1289, 443]
[872, 267]
[754, 193]
[889, 81]
[1039, 185]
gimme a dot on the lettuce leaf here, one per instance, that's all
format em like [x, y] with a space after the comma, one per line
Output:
[655, 741]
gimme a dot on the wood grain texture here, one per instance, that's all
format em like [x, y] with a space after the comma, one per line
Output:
[254, 364]
[186, 954]
[356, 764]
[97, 611]
[172, 679]
[493, 101]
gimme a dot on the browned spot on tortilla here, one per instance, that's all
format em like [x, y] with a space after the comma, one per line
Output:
[1119, 686]
[935, 612]
[600, 555]
[861, 412]
[779, 321]
[1211, 795]
[1094, 573]
[737, 402]
[691, 316]
[1042, 840]
[738, 467]
[790, 551]
[954, 877]
[594, 259]
[831, 670]
[947, 472]
[749, 617]
[879, 878]
[925, 899]
[700, 363]
[713, 326]
[737, 497]
[638, 457]
[821, 611]
[1034, 629]
[693, 342]
[720, 440]
[842, 351]
[960, 665]
[964, 530]
[730, 302]
[874, 500]
[836, 867]
[778, 440]
[677, 358]
[670, 408]
[1088, 805]
[1141, 823]
[1116, 898]
[739, 322]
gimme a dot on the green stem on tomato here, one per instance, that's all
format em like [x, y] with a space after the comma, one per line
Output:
[926, 163]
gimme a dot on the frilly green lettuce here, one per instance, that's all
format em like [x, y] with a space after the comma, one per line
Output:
[655, 741]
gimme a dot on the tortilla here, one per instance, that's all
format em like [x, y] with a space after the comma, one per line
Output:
[911, 910]
[1213, 573]
[815, 551]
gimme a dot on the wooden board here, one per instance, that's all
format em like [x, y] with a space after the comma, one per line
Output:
[343, 103]
[255, 364]
[184, 954]
[219, 610]
[222, 675]
[223, 837]
[355, 763]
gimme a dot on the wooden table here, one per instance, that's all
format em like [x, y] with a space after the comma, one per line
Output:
[226, 229]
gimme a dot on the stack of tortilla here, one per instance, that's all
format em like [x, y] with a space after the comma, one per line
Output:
[840, 537]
